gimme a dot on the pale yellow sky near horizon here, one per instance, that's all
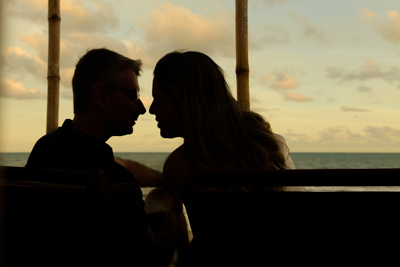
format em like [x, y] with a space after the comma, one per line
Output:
[325, 74]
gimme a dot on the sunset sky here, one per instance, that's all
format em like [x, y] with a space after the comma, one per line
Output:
[324, 73]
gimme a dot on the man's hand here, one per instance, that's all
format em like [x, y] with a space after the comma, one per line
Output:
[146, 176]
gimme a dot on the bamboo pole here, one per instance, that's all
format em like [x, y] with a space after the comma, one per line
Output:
[53, 70]
[242, 59]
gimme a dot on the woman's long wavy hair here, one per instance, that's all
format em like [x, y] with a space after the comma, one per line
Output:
[214, 126]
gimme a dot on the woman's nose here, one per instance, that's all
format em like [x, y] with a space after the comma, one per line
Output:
[151, 110]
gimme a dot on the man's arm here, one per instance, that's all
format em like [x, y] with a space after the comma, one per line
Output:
[146, 176]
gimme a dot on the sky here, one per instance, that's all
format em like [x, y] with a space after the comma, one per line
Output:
[324, 73]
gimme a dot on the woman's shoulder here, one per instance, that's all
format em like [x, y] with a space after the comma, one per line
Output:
[176, 164]
[283, 147]
[282, 144]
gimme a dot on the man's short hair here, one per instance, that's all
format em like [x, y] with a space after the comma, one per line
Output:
[98, 66]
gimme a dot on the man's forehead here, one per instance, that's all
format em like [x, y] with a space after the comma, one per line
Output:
[130, 79]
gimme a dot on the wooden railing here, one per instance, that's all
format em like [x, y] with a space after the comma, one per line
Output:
[251, 228]
[55, 216]
[67, 218]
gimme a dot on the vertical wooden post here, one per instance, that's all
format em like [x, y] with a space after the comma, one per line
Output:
[242, 59]
[53, 70]
[2, 229]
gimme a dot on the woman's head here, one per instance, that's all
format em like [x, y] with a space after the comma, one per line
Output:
[192, 79]
[195, 84]
[192, 100]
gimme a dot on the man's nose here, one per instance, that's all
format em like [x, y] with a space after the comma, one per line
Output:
[140, 107]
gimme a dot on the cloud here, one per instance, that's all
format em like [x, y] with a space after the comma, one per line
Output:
[87, 16]
[75, 45]
[388, 28]
[280, 80]
[10, 88]
[19, 61]
[87, 25]
[72, 46]
[39, 42]
[343, 138]
[370, 70]
[273, 34]
[170, 27]
[298, 140]
[299, 136]
[352, 109]
[310, 31]
[293, 96]
[90, 16]
[33, 11]
[283, 81]
[364, 88]
[339, 135]
[385, 133]
[84, 25]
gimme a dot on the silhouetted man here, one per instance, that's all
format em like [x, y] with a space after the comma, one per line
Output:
[106, 103]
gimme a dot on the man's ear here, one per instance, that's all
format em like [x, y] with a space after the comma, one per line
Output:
[99, 94]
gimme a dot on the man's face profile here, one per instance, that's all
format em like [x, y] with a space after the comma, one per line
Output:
[124, 107]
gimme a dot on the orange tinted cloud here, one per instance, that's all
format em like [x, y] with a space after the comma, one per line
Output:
[38, 41]
[170, 27]
[293, 96]
[284, 81]
[90, 16]
[11, 88]
[280, 80]
[388, 28]
[20, 61]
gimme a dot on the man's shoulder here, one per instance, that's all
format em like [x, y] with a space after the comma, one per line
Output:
[56, 135]
[52, 149]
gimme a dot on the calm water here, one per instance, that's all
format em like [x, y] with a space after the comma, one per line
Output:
[301, 161]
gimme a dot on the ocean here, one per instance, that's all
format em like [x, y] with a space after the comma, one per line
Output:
[301, 161]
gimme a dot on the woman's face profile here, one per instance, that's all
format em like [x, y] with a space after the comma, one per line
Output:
[169, 118]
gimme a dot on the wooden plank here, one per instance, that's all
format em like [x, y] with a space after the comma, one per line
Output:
[9, 174]
[314, 177]
[257, 227]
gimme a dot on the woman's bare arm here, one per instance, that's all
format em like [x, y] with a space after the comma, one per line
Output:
[146, 176]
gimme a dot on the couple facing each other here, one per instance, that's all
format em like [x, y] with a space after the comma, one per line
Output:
[191, 100]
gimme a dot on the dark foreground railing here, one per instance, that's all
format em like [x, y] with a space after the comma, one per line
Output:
[285, 228]
[57, 217]
[66, 218]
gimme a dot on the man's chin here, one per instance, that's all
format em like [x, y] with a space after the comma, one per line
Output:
[125, 132]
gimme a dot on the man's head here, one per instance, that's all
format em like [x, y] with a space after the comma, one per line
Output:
[106, 90]
[98, 66]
